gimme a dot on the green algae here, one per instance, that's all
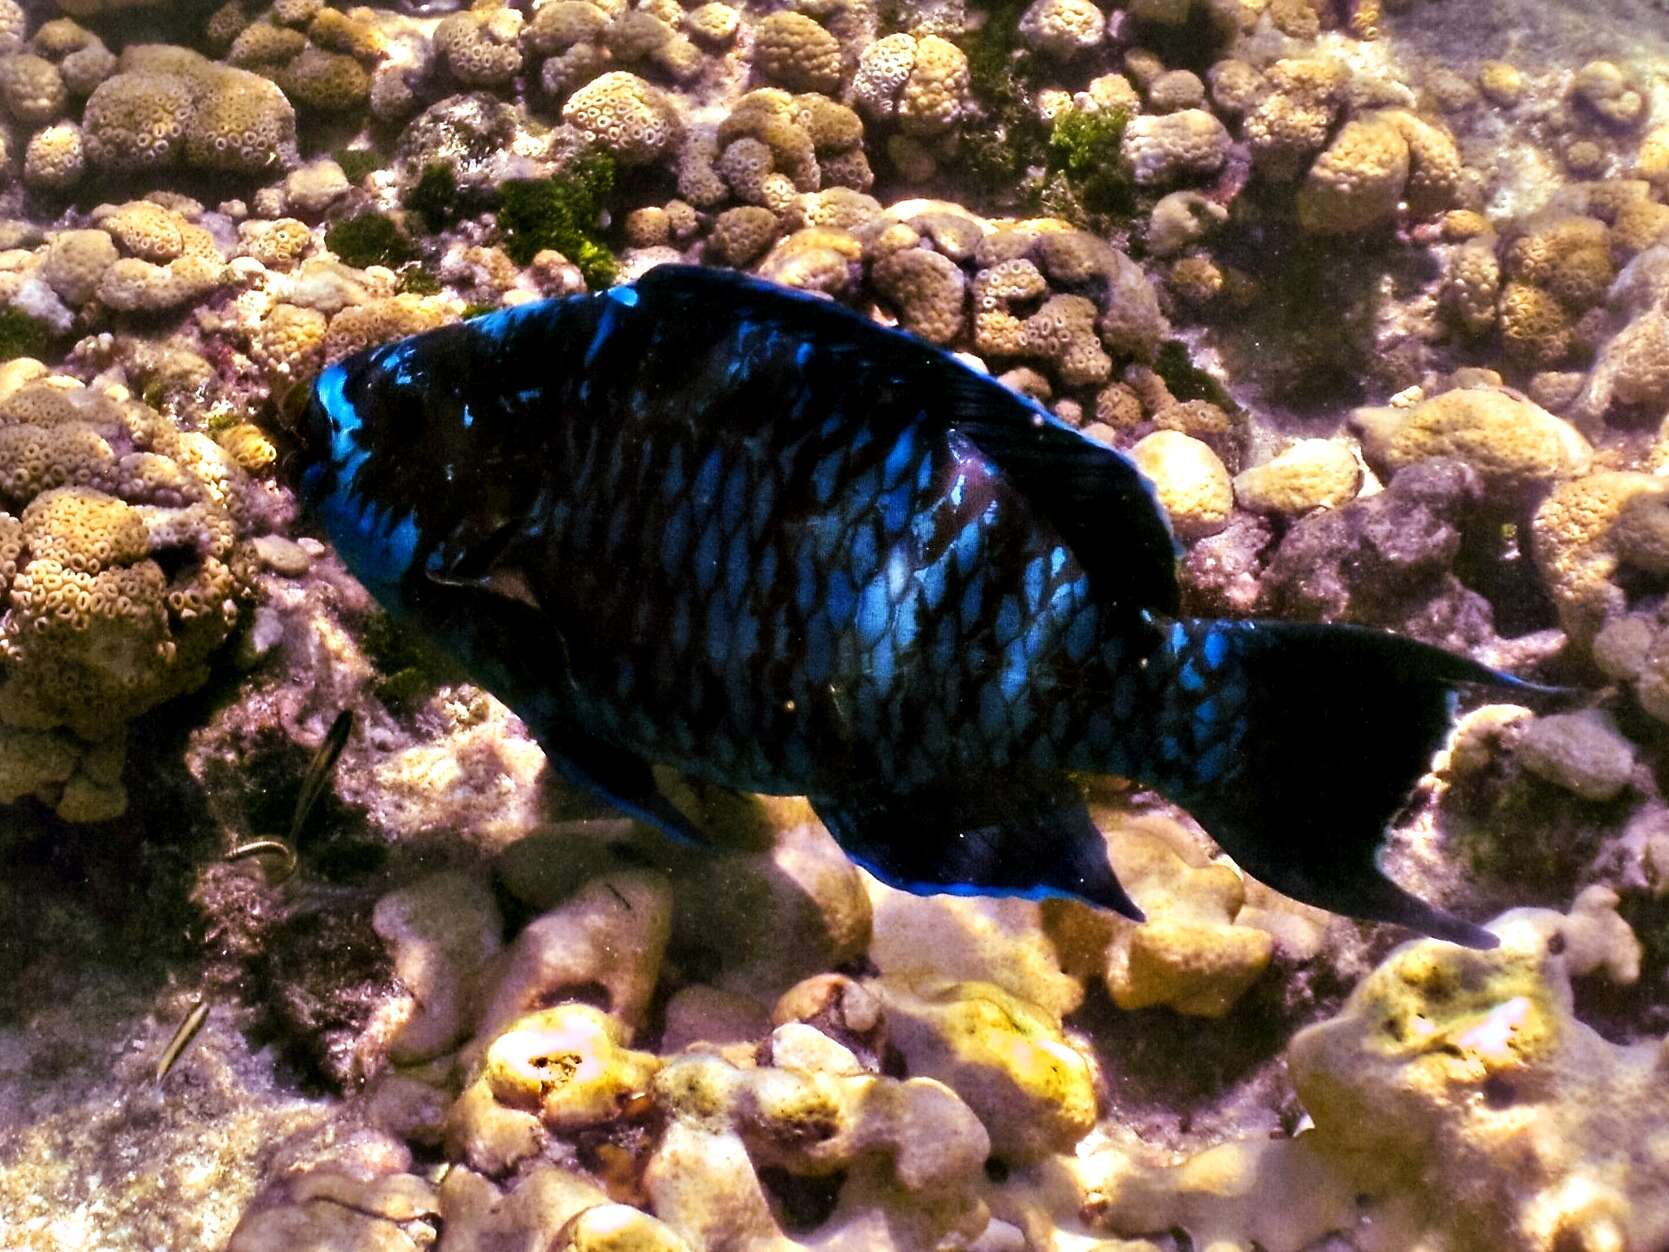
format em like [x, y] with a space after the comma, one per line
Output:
[1086, 180]
[1187, 381]
[356, 163]
[417, 281]
[22, 335]
[563, 213]
[370, 239]
[434, 197]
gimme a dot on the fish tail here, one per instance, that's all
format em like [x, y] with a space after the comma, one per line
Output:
[1301, 743]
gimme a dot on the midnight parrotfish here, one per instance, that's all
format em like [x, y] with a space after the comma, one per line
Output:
[708, 522]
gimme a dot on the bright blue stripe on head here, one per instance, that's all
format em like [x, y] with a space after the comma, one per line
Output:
[1190, 678]
[623, 295]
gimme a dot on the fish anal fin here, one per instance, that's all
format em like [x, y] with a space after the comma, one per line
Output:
[1012, 837]
[622, 778]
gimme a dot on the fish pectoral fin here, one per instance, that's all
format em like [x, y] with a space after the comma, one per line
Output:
[623, 779]
[1019, 837]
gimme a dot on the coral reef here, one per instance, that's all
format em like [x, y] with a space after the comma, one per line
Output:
[1375, 294]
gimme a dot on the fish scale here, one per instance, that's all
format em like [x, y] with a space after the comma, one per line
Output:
[704, 522]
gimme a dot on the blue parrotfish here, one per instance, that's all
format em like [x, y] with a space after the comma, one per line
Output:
[703, 521]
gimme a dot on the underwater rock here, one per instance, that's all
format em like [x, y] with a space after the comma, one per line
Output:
[442, 932]
[1456, 1099]
[1008, 1059]
[607, 938]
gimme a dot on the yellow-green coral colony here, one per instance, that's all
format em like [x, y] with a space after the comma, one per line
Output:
[1373, 292]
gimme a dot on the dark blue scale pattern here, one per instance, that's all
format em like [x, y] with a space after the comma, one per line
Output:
[740, 568]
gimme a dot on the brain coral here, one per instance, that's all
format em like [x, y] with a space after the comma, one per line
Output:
[123, 554]
[169, 106]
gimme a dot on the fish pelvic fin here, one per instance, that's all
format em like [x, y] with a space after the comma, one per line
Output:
[1007, 836]
[1318, 736]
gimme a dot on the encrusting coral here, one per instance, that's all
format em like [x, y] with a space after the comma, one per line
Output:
[126, 563]
[1457, 1102]
[1383, 324]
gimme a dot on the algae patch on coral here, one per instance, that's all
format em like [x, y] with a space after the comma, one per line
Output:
[562, 213]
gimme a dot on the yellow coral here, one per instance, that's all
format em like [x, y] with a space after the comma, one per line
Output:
[929, 291]
[290, 342]
[1189, 143]
[1471, 285]
[278, 244]
[1311, 474]
[1434, 173]
[1293, 119]
[261, 43]
[998, 331]
[625, 115]
[55, 157]
[1577, 548]
[1005, 1056]
[741, 235]
[793, 50]
[1535, 329]
[75, 261]
[1190, 480]
[1062, 332]
[479, 45]
[170, 104]
[1356, 183]
[1189, 954]
[1516, 446]
[331, 82]
[568, 1065]
[392, 317]
[32, 89]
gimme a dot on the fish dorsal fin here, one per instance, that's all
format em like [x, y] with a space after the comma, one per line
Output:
[1094, 496]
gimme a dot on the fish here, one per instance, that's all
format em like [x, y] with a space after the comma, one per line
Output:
[702, 521]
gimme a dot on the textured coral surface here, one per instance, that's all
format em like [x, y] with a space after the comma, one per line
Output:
[1376, 292]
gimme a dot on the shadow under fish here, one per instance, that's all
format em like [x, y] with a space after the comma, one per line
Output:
[713, 523]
